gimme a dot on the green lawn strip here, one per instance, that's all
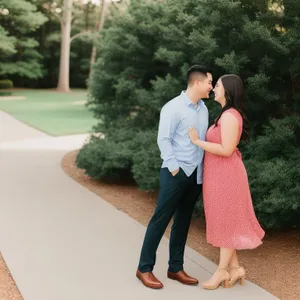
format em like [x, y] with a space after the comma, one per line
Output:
[51, 112]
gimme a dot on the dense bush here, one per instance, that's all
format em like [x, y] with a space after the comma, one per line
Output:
[144, 56]
[272, 162]
[6, 84]
[146, 160]
[134, 155]
[5, 93]
[114, 160]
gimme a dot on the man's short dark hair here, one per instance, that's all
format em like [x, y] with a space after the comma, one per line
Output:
[196, 70]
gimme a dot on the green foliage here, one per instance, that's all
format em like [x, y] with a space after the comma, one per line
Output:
[114, 159]
[18, 54]
[127, 154]
[8, 43]
[272, 161]
[30, 42]
[28, 69]
[5, 93]
[144, 56]
[146, 160]
[6, 84]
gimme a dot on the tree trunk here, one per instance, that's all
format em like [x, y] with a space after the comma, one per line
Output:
[98, 28]
[64, 64]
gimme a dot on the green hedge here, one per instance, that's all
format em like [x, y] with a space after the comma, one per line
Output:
[6, 84]
[136, 157]
[146, 160]
[272, 162]
[142, 64]
[5, 93]
[113, 159]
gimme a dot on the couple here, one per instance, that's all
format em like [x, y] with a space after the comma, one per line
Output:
[231, 223]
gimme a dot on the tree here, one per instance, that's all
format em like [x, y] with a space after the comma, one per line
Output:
[64, 14]
[68, 13]
[18, 54]
[8, 43]
[64, 11]
[50, 36]
[105, 7]
[98, 27]
[66, 17]
[64, 64]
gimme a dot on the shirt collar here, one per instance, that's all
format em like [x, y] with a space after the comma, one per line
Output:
[188, 101]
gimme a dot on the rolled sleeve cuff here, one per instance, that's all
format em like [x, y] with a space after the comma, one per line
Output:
[173, 165]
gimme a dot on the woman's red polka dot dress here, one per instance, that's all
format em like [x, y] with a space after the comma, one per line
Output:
[229, 213]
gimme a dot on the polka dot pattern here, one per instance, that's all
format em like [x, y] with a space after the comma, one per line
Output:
[229, 213]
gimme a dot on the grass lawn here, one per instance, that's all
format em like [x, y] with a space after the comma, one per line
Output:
[51, 112]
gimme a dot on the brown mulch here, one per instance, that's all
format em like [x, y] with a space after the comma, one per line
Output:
[275, 266]
[8, 288]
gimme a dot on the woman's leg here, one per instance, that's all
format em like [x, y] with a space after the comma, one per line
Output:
[234, 262]
[225, 257]
[221, 274]
[236, 272]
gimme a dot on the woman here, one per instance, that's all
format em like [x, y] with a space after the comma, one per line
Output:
[231, 223]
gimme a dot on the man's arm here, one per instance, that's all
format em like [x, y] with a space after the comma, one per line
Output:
[167, 125]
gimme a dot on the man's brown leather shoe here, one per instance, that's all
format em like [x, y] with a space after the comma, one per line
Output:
[182, 277]
[149, 280]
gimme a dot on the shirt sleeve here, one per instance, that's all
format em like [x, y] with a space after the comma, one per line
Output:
[167, 125]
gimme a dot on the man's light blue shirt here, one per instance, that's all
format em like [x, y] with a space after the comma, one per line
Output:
[176, 148]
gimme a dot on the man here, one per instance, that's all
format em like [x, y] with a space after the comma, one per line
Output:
[180, 176]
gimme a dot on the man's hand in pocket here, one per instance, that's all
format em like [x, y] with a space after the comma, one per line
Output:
[175, 172]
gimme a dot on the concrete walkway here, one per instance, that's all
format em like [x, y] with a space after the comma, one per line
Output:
[62, 242]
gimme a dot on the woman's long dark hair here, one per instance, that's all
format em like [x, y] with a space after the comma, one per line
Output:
[234, 94]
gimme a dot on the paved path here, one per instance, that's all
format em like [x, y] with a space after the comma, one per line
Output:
[62, 242]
